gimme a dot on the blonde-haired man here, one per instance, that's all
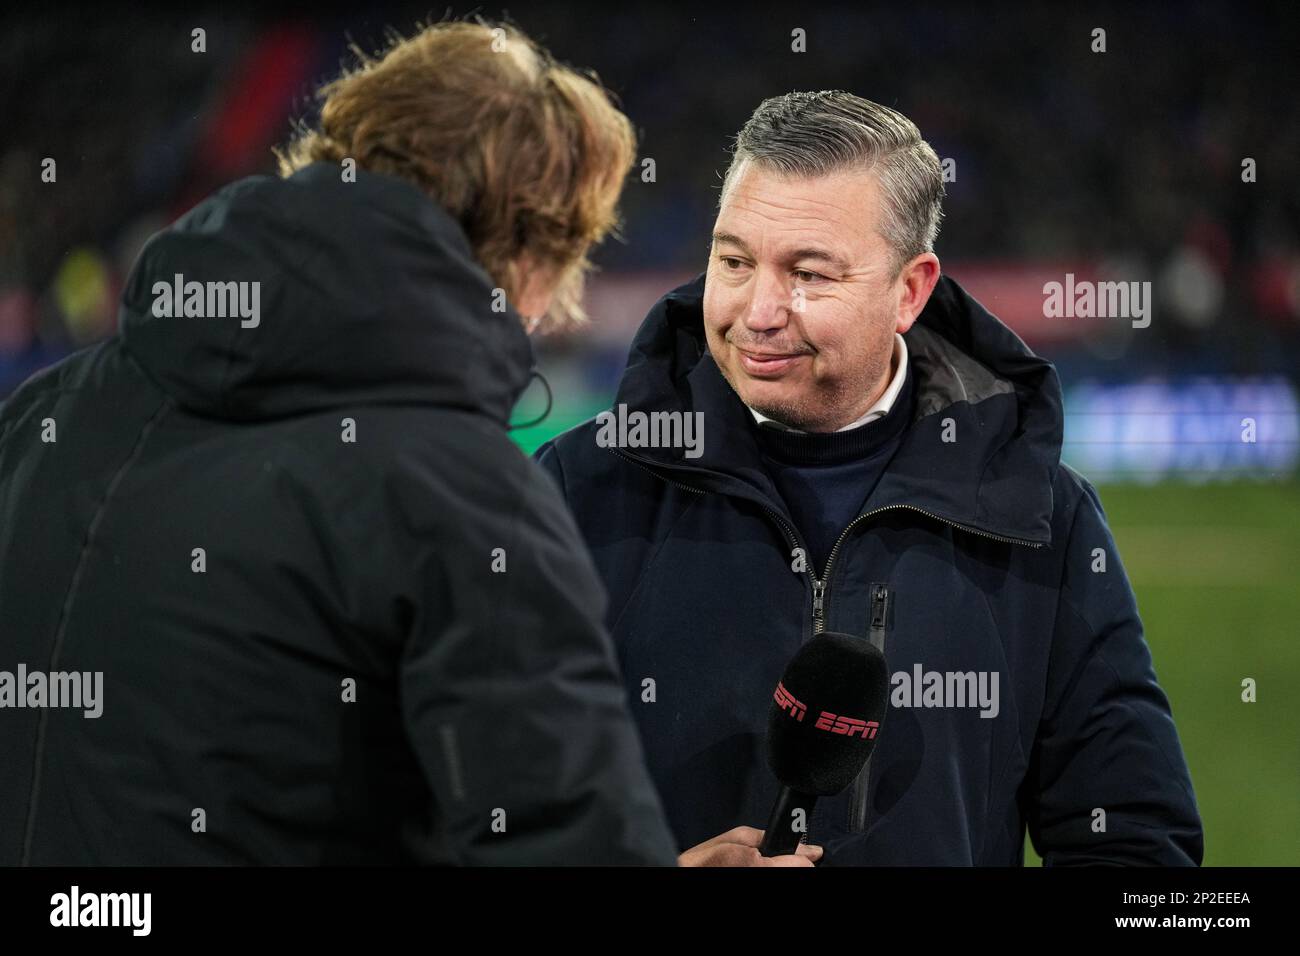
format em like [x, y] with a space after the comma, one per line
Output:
[336, 615]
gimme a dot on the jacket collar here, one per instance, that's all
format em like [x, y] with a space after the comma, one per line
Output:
[981, 451]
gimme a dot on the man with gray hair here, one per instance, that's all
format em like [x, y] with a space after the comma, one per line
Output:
[881, 458]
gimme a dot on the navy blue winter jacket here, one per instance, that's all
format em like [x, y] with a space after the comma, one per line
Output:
[978, 554]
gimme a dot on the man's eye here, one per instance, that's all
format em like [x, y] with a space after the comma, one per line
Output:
[732, 263]
[803, 275]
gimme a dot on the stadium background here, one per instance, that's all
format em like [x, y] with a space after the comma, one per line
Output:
[1124, 165]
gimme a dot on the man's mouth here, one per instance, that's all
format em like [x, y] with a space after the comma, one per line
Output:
[767, 364]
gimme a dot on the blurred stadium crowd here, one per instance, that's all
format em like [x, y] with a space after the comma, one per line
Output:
[1125, 164]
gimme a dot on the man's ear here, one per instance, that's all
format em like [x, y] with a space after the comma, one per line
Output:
[536, 287]
[918, 278]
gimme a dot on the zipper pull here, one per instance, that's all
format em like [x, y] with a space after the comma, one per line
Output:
[819, 597]
[879, 607]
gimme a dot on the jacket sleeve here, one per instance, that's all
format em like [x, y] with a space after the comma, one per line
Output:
[512, 693]
[1107, 782]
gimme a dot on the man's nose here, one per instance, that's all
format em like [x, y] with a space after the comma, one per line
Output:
[769, 302]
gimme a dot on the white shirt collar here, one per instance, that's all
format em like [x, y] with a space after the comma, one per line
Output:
[883, 404]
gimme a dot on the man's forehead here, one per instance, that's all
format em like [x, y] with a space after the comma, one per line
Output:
[836, 212]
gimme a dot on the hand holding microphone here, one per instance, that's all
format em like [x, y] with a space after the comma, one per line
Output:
[739, 847]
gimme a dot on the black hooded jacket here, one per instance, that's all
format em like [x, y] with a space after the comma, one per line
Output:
[339, 616]
[977, 557]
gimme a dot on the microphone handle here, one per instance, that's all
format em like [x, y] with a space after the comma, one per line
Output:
[781, 839]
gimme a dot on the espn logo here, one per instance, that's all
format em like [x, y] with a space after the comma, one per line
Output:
[839, 724]
[787, 701]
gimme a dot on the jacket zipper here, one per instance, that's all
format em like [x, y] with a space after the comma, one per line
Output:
[880, 596]
[792, 538]
[820, 585]
[862, 517]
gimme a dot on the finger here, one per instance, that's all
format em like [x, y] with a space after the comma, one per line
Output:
[793, 859]
[733, 854]
[810, 850]
[745, 836]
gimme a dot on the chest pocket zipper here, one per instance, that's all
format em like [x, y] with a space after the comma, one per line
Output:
[880, 609]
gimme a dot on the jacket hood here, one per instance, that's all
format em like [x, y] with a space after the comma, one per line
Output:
[368, 294]
[981, 450]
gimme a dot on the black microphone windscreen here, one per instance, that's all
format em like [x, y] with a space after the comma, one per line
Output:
[826, 713]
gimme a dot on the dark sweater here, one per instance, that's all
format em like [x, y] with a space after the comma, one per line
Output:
[826, 478]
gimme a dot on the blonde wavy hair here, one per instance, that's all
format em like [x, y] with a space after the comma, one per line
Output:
[528, 155]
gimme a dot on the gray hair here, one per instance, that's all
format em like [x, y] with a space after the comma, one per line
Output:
[815, 134]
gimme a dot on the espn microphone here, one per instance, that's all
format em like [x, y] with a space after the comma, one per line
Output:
[825, 716]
